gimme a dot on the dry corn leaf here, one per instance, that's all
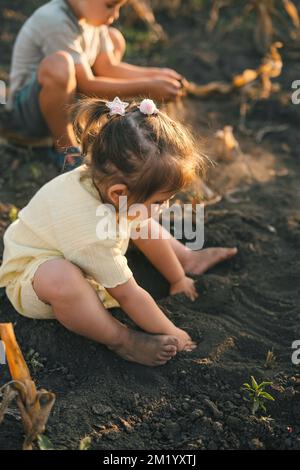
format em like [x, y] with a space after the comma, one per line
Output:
[272, 62]
[205, 90]
[263, 33]
[271, 67]
[144, 11]
[292, 11]
[226, 144]
[244, 78]
[35, 406]
[214, 13]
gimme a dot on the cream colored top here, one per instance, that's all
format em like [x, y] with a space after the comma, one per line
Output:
[62, 219]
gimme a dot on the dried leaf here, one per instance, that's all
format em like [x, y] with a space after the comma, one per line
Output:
[145, 12]
[34, 406]
[244, 78]
[263, 33]
[292, 11]
[44, 443]
[205, 90]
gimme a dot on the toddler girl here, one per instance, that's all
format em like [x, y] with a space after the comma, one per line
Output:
[58, 260]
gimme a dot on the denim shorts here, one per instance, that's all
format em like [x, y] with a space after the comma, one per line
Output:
[26, 114]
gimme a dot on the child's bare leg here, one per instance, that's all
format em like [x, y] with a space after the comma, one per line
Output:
[77, 306]
[195, 262]
[58, 80]
[119, 43]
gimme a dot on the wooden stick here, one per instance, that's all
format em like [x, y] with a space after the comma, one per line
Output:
[34, 414]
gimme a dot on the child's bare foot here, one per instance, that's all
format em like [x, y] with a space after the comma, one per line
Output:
[197, 262]
[147, 349]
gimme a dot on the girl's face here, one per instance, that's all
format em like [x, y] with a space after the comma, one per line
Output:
[100, 12]
[124, 204]
[155, 204]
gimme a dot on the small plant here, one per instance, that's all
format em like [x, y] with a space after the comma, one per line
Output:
[270, 360]
[44, 442]
[85, 443]
[13, 213]
[257, 394]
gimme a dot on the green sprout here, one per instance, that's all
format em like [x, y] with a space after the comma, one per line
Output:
[85, 443]
[257, 394]
[44, 442]
[13, 213]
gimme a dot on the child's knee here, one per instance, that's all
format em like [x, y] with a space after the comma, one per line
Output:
[58, 69]
[118, 41]
[54, 280]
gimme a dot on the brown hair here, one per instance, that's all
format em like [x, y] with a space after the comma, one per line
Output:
[147, 153]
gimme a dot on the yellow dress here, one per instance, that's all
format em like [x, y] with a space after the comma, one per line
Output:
[65, 220]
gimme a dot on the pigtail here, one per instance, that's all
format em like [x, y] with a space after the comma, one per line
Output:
[89, 116]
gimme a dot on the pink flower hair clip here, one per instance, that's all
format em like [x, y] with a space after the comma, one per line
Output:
[148, 107]
[117, 107]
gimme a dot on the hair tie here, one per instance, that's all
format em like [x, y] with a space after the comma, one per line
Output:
[148, 107]
[117, 107]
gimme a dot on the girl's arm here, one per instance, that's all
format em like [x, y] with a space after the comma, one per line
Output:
[107, 65]
[141, 308]
[158, 87]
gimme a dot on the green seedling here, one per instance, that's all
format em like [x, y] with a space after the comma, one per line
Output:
[13, 213]
[270, 360]
[257, 394]
[85, 443]
[44, 442]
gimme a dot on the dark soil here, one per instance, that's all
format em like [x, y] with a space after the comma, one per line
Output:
[245, 308]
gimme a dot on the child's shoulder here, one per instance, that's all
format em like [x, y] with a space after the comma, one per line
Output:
[53, 15]
[72, 184]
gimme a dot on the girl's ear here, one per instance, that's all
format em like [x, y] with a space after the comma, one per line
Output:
[115, 192]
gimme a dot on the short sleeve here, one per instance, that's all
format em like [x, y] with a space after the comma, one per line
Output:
[106, 44]
[64, 41]
[104, 262]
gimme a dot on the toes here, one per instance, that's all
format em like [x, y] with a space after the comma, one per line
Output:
[166, 356]
[170, 349]
[229, 252]
[171, 340]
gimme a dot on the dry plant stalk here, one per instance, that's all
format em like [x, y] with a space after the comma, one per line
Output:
[292, 12]
[270, 67]
[264, 30]
[265, 11]
[215, 13]
[144, 11]
[34, 406]
[205, 90]
[227, 147]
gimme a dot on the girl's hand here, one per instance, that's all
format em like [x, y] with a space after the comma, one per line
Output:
[185, 285]
[164, 72]
[170, 73]
[165, 88]
[185, 342]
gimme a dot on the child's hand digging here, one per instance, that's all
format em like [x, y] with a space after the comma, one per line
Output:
[185, 285]
[185, 342]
